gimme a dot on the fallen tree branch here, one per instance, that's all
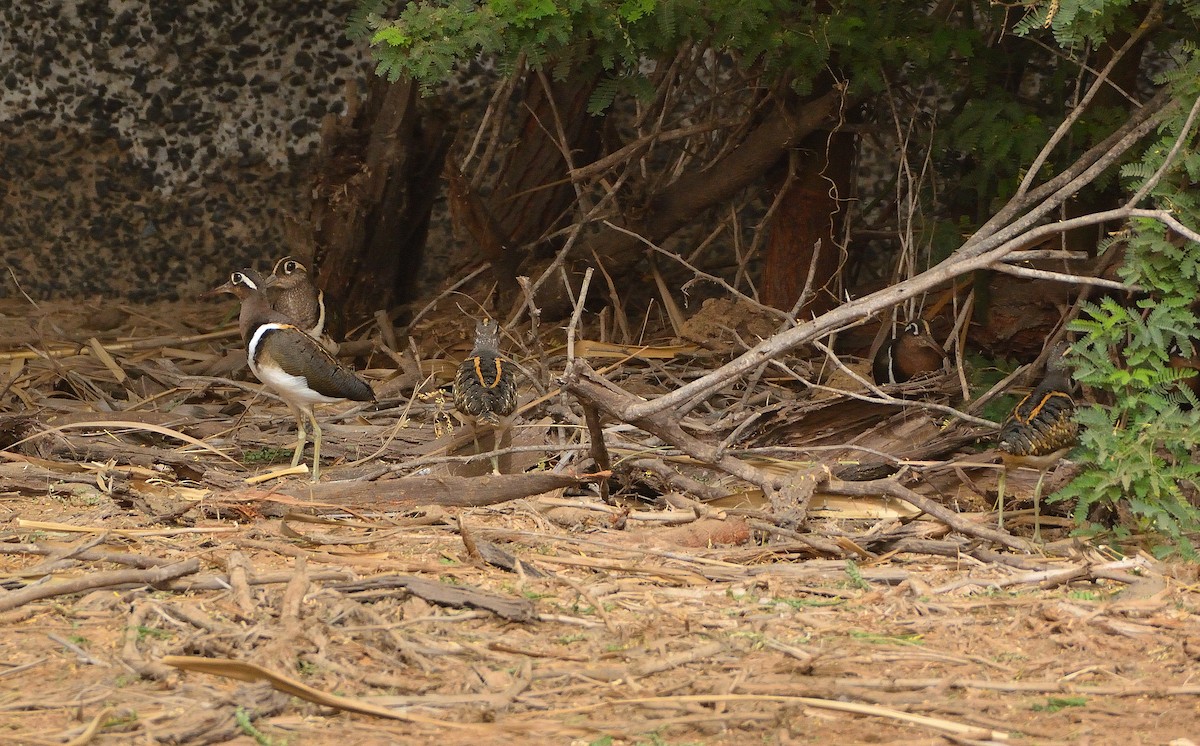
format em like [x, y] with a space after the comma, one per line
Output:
[152, 576]
[1045, 274]
[892, 488]
[581, 380]
[396, 494]
[512, 608]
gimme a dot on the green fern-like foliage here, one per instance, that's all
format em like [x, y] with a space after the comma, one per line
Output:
[359, 24]
[1140, 452]
[1076, 22]
[612, 40]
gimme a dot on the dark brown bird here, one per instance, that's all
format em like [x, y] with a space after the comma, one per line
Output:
[485, 387]
[293, 294]
[289, 361]
[911, 352]
[1040, 431]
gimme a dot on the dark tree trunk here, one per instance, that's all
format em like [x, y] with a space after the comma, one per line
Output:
[533, 196]
[377, 176]
[806, 225]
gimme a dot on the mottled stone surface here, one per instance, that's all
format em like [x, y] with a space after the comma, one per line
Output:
[148, 147]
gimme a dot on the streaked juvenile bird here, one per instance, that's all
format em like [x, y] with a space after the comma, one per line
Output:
[291, 363]
[1040, 431]
[485, 386]
[907, 354]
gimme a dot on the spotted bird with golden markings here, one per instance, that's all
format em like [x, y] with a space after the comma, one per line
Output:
[485, 386]
[1039, 432]
[290, 362]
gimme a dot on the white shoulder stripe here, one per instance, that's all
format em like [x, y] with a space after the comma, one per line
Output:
[320, 327]
[256, 340]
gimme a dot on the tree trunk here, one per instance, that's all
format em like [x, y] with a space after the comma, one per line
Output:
[533, 195]
[524, 202]
[806, 225]
[377, 176]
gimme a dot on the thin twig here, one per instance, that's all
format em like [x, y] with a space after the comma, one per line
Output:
[448, 291]
[583, 290]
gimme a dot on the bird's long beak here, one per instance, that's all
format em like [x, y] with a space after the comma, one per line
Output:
[228, 286]
[225, 287]
[927, 340]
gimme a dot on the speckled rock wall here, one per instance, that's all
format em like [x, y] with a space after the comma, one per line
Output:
[149, 146]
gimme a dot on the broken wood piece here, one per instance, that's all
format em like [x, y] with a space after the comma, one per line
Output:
[287, 471]
[240, 572]
[493, 555]
[599, 451]
[790, 502]
[456, 596]
[706, 532]
[292, 602]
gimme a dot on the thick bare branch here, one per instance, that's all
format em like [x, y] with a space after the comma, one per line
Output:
[582, 381]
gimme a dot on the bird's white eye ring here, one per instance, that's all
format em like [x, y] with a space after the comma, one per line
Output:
[292, 266]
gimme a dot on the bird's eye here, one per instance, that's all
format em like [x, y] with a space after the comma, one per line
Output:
[237, 278]
[291, 267]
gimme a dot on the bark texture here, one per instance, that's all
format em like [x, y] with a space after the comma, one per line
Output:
[377, 176]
